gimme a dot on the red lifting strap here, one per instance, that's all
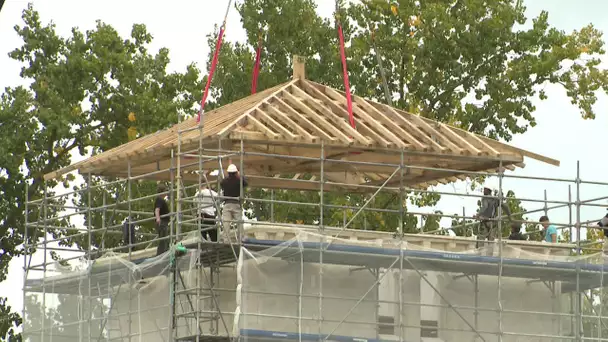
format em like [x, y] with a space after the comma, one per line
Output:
[349, 101]
[256, 68]
[218, 45]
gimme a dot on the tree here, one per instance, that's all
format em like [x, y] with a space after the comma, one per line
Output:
[84, 88]
[88, 92]
[64, 320]
[437, 56]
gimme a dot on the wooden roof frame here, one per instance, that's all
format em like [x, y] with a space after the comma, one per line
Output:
[296, 118]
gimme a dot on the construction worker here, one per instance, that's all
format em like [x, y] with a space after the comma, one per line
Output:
[516, 232]
[603, 223]
[488, 213]
[232, 211]
[205, 199]
[162, 218]
[550, 230]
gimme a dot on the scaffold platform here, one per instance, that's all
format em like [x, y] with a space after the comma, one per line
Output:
[255, 335]
[218, 254]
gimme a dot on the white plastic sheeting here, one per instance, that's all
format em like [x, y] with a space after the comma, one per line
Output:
[294, 287]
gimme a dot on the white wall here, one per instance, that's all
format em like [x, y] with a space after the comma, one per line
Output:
[270, 301]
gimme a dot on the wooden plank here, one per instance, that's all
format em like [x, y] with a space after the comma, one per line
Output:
[318, 118]
[286, 119]
[417, 121]
[302, 120]
[238, 121]
[487, 141]
[344, 177]
[118, 152]
[476, 140]
[369, 133]
[464, 142]
[432, 131]
[265, 118]
[217, 119]
[392, 114]
[263, 128]
[394, 128]
[367, 118]
[341, 121]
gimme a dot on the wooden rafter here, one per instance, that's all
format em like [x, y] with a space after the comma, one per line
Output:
[293, 119]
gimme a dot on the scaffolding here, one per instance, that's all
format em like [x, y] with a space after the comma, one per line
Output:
[274, 280]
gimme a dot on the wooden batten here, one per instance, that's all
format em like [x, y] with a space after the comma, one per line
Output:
[299, 67]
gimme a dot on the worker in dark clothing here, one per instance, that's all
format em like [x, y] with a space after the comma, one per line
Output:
[233, 211]
[603, 223]
[128, 233]
[516, 232]
[161, 215]
[488, 213]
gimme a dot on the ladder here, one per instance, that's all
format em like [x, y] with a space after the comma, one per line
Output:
[196, 304]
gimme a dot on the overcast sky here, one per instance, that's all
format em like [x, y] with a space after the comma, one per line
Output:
[181, 26]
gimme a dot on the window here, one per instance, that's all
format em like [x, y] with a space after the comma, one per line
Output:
[429, 329]
[386, 325]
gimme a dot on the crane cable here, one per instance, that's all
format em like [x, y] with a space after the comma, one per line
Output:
[218, 45]
[387, 92]
[256, 66]
[349, 101]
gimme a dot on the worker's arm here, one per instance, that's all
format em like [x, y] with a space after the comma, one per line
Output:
[157, 214]
[553, 234]
[506, 211]
[484, 205]
[482, 208]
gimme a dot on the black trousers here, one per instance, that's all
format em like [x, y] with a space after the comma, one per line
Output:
[208, 227]
[162, 229]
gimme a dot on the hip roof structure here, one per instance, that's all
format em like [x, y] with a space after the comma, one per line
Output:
[297, 118]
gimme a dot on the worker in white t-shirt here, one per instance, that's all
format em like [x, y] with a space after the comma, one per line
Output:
[205, 199]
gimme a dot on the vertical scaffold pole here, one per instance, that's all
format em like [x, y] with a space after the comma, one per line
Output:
[172, 282]
[178, 181]
[545, 207]
[240, 223]
[129, 195]
[475, 278]
[89, 229]
[500, 256]
[579, 299]
[200, 227]
[322, 233]
[271, 205]
[103, 218]
[571, 238]
[173, 237]
[26, 250]
[44, 257]
[401, 231]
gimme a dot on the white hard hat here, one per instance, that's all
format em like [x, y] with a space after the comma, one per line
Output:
[491, 183]
[232, 168]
